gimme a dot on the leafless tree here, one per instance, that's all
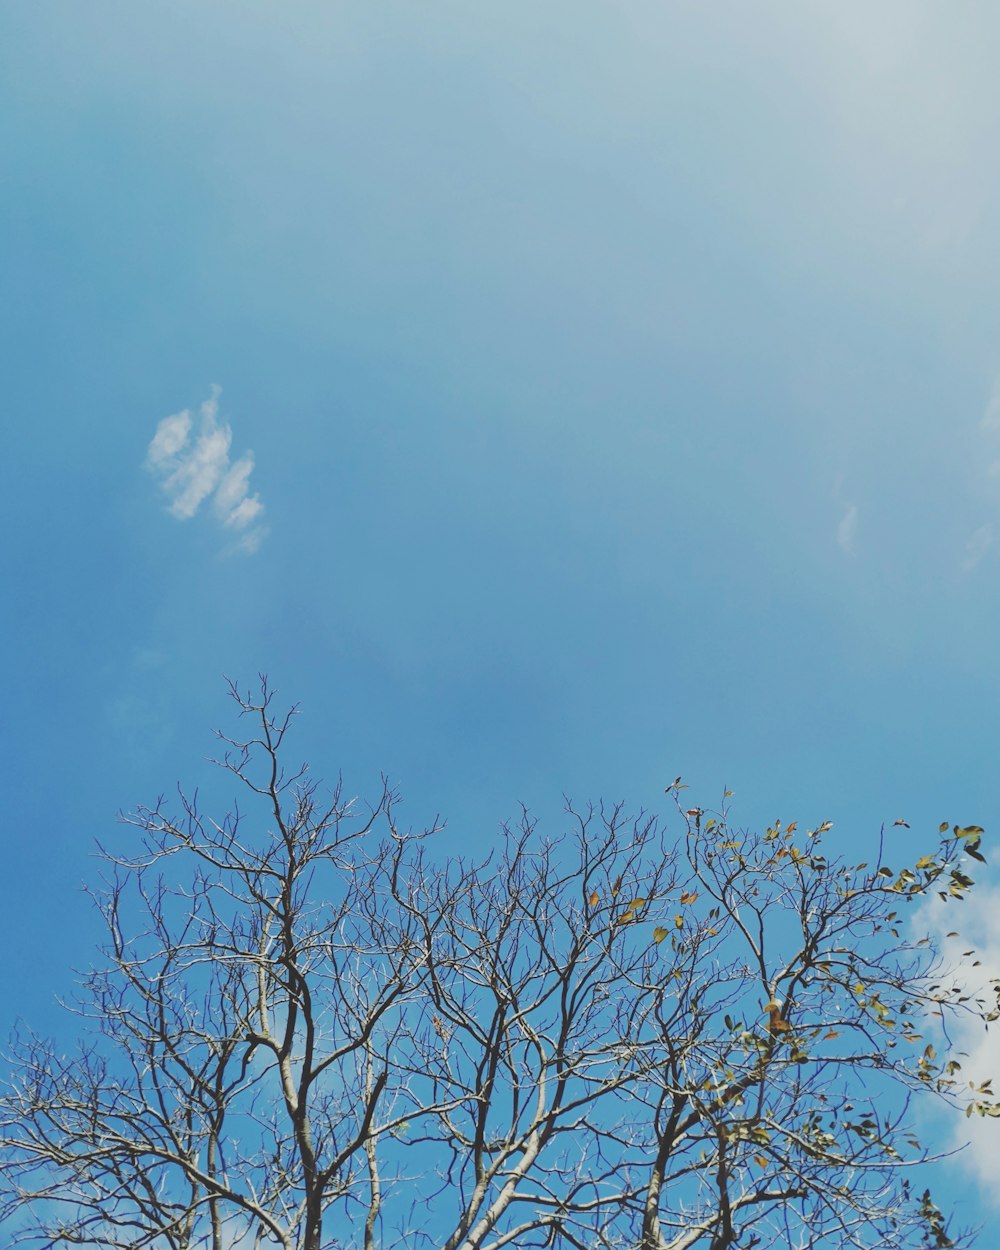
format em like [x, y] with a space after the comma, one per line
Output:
[304, 1031]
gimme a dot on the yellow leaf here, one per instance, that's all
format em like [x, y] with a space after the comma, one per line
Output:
[659, 933]
[828, 1036]
[775, 1023]
[629, 912]
[760, 1160]
[594, 899]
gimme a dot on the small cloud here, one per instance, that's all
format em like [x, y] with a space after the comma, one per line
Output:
[847, 530]
[193, 465]
[979, 543]
[171, 435]
[233, 505]
[233, 486]
[244, 512]
[249, 543]
[974, 962]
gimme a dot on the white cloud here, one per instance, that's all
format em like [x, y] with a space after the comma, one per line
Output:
[233, 486]
[198, 472]
[976, 1047]
[847, 530]
[191, 467]
[171, 435]
[245, 512]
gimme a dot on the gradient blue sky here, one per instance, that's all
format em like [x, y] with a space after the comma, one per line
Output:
[618, 380]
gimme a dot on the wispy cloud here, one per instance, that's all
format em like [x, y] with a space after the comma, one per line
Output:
[847, 530]
[191, 461]
[974, 957]
[979, 543]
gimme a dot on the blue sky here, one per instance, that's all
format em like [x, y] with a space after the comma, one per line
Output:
[614, 389]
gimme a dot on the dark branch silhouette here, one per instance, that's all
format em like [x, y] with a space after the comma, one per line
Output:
[305, 1031]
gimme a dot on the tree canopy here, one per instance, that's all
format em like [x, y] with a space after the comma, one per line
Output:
[307, 1029]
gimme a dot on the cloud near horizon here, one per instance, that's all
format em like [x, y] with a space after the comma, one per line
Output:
[192, 464]
[973, 962]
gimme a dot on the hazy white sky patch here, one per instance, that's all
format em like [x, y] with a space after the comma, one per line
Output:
[991, 417]
[980, 541]
[249, 543]
[977, 1048]
[847, 530]
[191, 461]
